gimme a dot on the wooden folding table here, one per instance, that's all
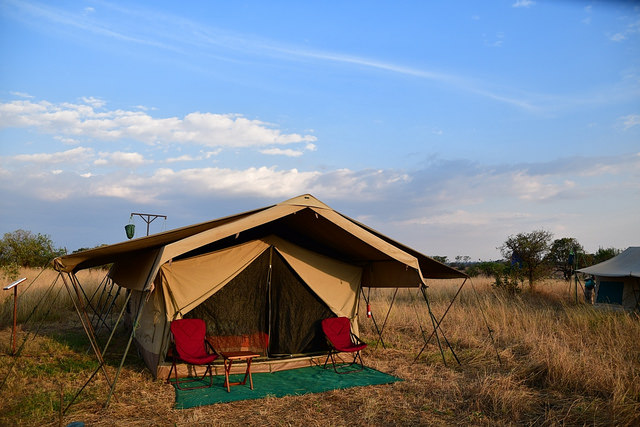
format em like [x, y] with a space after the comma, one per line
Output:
[231, 356]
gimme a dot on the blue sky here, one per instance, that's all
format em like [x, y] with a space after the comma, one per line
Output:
[446, 125]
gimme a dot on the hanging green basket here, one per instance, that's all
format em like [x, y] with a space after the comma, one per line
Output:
[130, 229]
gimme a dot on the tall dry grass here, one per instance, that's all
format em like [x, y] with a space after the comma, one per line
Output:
[557, 357]
[43, 294]
[560, 363]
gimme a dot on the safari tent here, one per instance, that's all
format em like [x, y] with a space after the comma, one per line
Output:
[618, 280]
[262, 280]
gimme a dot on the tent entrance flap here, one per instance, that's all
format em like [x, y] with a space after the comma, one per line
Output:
[271, 314]
[236, 315]
[296, 313]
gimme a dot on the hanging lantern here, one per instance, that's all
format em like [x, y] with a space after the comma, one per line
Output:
[130, 229]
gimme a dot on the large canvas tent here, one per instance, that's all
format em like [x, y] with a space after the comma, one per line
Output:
[261, 279]
[618, 280]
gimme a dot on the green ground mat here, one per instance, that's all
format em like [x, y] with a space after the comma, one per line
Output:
[313, 379]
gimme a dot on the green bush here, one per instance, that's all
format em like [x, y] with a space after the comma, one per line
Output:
[25, 249]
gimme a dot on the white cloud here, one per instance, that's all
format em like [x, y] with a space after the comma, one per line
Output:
[523, 3]
[280, 152]
[21, 94]
[89, 121]
[74, 155]
[122, 159]
[464, 217]
[617, 37]
[537, 187]
[630, 121]
[183, 158]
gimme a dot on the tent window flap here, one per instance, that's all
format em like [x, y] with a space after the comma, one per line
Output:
[610, 292]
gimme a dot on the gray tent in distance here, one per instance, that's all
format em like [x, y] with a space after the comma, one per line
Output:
[618, 280]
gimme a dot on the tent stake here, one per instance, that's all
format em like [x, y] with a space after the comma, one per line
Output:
[134, 325]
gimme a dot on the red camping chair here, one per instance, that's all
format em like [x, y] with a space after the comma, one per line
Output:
[190, 347]
[341, 339]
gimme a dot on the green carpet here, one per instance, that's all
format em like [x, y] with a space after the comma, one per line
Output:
[312, 379]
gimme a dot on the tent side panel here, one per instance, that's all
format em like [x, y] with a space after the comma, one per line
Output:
[152, 330]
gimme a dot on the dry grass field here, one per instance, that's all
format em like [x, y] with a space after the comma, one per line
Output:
[560, 363]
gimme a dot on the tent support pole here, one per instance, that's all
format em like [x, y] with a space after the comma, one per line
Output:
[387, 315]
[435, 327]
[84, 319]
[441, 319]
[486, 323]
[269, 274]
[134, 325]
[77, 285]
[124, 307]
[103, 352]
[433, 318]
[105, 303]
[75, 396]
[103, 288]
[375, 324]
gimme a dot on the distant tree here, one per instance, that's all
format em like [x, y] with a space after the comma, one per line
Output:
[563, 255]
[442, 259]
[486, 268]
[527, 252]
[88, 249]
[25, 249]
[603, 254]
[461, 260]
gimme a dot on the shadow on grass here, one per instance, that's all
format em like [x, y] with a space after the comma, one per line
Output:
[70, 336]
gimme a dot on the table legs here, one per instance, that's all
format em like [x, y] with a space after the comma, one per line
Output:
[227, 370]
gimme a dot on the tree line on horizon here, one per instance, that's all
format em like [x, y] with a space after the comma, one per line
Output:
[526, 256]
[531, 257]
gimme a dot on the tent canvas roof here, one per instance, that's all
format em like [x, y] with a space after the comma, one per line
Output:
[303, 220]
[626, 263]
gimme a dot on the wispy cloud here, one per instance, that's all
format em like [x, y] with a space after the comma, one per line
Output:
[21, 95]
[630, 121]
[174, 33]
[523, 3]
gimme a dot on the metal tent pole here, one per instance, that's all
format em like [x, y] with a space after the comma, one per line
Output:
[375, 324]
[441, 319]
[387, 315]
[86, 323]
[143, 300]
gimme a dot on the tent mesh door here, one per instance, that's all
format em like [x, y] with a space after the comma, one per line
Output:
[236, 315]
[296, 313]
